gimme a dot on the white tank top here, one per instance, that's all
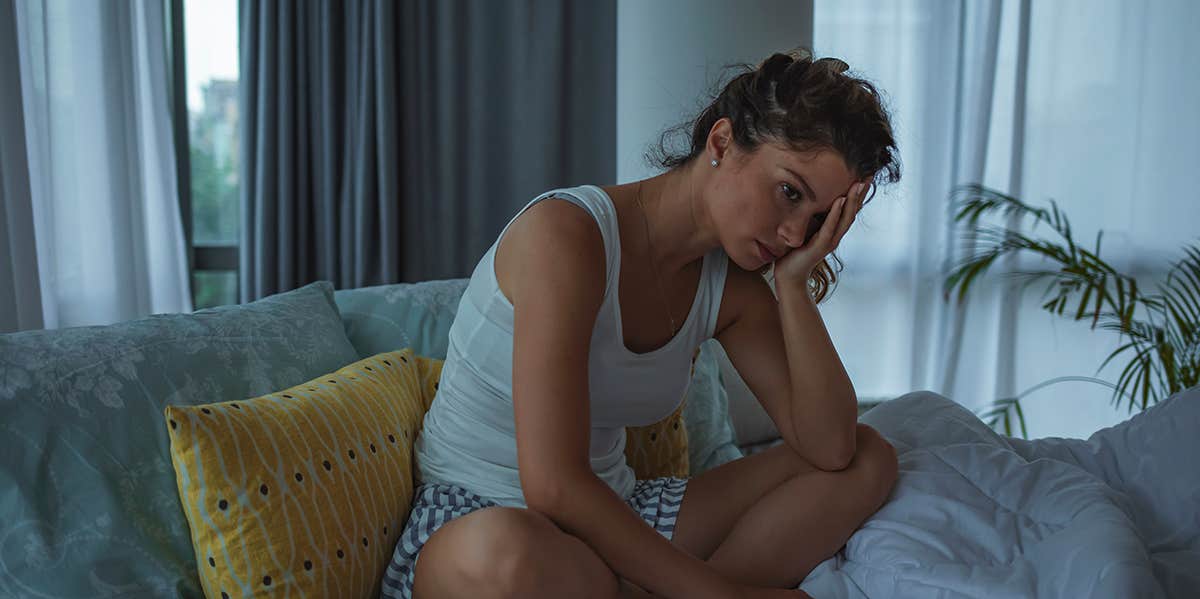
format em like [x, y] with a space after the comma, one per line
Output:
[468, 437]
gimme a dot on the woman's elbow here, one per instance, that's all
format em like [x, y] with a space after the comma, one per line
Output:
[838, 459]
[544, 491]
[864, 441]
[835, 454]
[542, 496]
[828, 458]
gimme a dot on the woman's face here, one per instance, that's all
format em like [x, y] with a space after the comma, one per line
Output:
[775, 198]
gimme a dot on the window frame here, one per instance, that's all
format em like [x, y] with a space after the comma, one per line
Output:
[204, 257]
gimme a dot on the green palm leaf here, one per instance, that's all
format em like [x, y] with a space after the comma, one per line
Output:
[1001, 411]
[1160, 330]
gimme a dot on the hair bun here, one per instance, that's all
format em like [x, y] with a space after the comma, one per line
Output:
[773, 67]
[770, 75]
[834, 65]
[789, 84]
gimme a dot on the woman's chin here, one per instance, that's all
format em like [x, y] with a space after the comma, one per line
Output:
[749, 264]
[755, 265]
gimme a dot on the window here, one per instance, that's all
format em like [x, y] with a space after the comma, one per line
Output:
[210, 188]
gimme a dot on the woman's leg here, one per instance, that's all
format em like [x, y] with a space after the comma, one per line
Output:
[509, 552]
[770, 518]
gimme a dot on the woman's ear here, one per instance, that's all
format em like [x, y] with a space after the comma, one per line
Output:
[720, 139]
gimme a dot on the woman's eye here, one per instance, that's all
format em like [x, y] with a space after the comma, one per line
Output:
[789, 192]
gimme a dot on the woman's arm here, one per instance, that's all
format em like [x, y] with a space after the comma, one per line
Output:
[587, 508]
[782, 351]
[821, 390]
[822, 393]
[804, 387]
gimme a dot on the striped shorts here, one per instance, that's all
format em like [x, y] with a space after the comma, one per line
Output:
[656, 500]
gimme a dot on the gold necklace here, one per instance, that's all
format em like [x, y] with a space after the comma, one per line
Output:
[657, 278]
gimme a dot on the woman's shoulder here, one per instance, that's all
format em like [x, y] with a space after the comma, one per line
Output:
[558, 219]
[553, 238]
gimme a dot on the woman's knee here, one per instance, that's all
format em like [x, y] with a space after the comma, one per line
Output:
[875, 461]
[503, 547]
[469, 556]
[526, 555]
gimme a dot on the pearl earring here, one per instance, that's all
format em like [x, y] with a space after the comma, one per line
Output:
[714, 163]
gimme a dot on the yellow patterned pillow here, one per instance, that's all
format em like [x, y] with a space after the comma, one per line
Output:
[307, 488]
[660, 449]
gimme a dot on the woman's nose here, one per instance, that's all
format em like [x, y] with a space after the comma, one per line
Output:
[796, 231]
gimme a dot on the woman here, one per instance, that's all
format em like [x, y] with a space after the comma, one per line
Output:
[582, 319]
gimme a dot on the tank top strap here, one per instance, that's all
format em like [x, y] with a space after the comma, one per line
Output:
[600, 206]
[596, 201]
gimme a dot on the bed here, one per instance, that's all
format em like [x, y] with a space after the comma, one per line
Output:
[978, 514]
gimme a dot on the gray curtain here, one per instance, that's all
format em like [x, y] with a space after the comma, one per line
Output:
[20, 295]
[391, 141]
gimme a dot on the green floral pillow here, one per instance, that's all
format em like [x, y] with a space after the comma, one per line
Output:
[88, 496]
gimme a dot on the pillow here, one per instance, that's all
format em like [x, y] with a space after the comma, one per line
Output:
[660, 449]
[304, 491]
[87, 494]
[711, 437]
[404, 315]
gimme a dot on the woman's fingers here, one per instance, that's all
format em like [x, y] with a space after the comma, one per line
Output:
[839, 219]
[828, 233]
[858, 194]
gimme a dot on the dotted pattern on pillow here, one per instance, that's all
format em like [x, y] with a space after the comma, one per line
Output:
[659, 449]
[305, 489]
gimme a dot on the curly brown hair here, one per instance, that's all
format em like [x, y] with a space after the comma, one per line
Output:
[805, 104]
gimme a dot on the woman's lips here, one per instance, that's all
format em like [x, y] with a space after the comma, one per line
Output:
[763, 252]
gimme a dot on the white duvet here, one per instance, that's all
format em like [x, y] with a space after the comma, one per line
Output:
[977, 514]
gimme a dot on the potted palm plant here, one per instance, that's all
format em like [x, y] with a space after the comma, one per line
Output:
[1159, 331]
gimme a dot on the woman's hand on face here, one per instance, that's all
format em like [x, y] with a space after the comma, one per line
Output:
[797, 265]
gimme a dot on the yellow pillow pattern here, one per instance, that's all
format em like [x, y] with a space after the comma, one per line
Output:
[659, 449]
[305, 489]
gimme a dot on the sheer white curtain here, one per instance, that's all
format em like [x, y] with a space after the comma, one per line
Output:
[102, 185]
[1091, 103]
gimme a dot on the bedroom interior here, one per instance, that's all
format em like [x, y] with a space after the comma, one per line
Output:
[226, 222]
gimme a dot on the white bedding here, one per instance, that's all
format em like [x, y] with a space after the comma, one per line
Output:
[977, 514]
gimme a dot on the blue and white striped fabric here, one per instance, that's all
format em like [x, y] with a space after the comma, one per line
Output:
[656, 500]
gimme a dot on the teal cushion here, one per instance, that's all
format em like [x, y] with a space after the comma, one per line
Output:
[419, 315]
[711, 438]
[88, 497]
[391, 317]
